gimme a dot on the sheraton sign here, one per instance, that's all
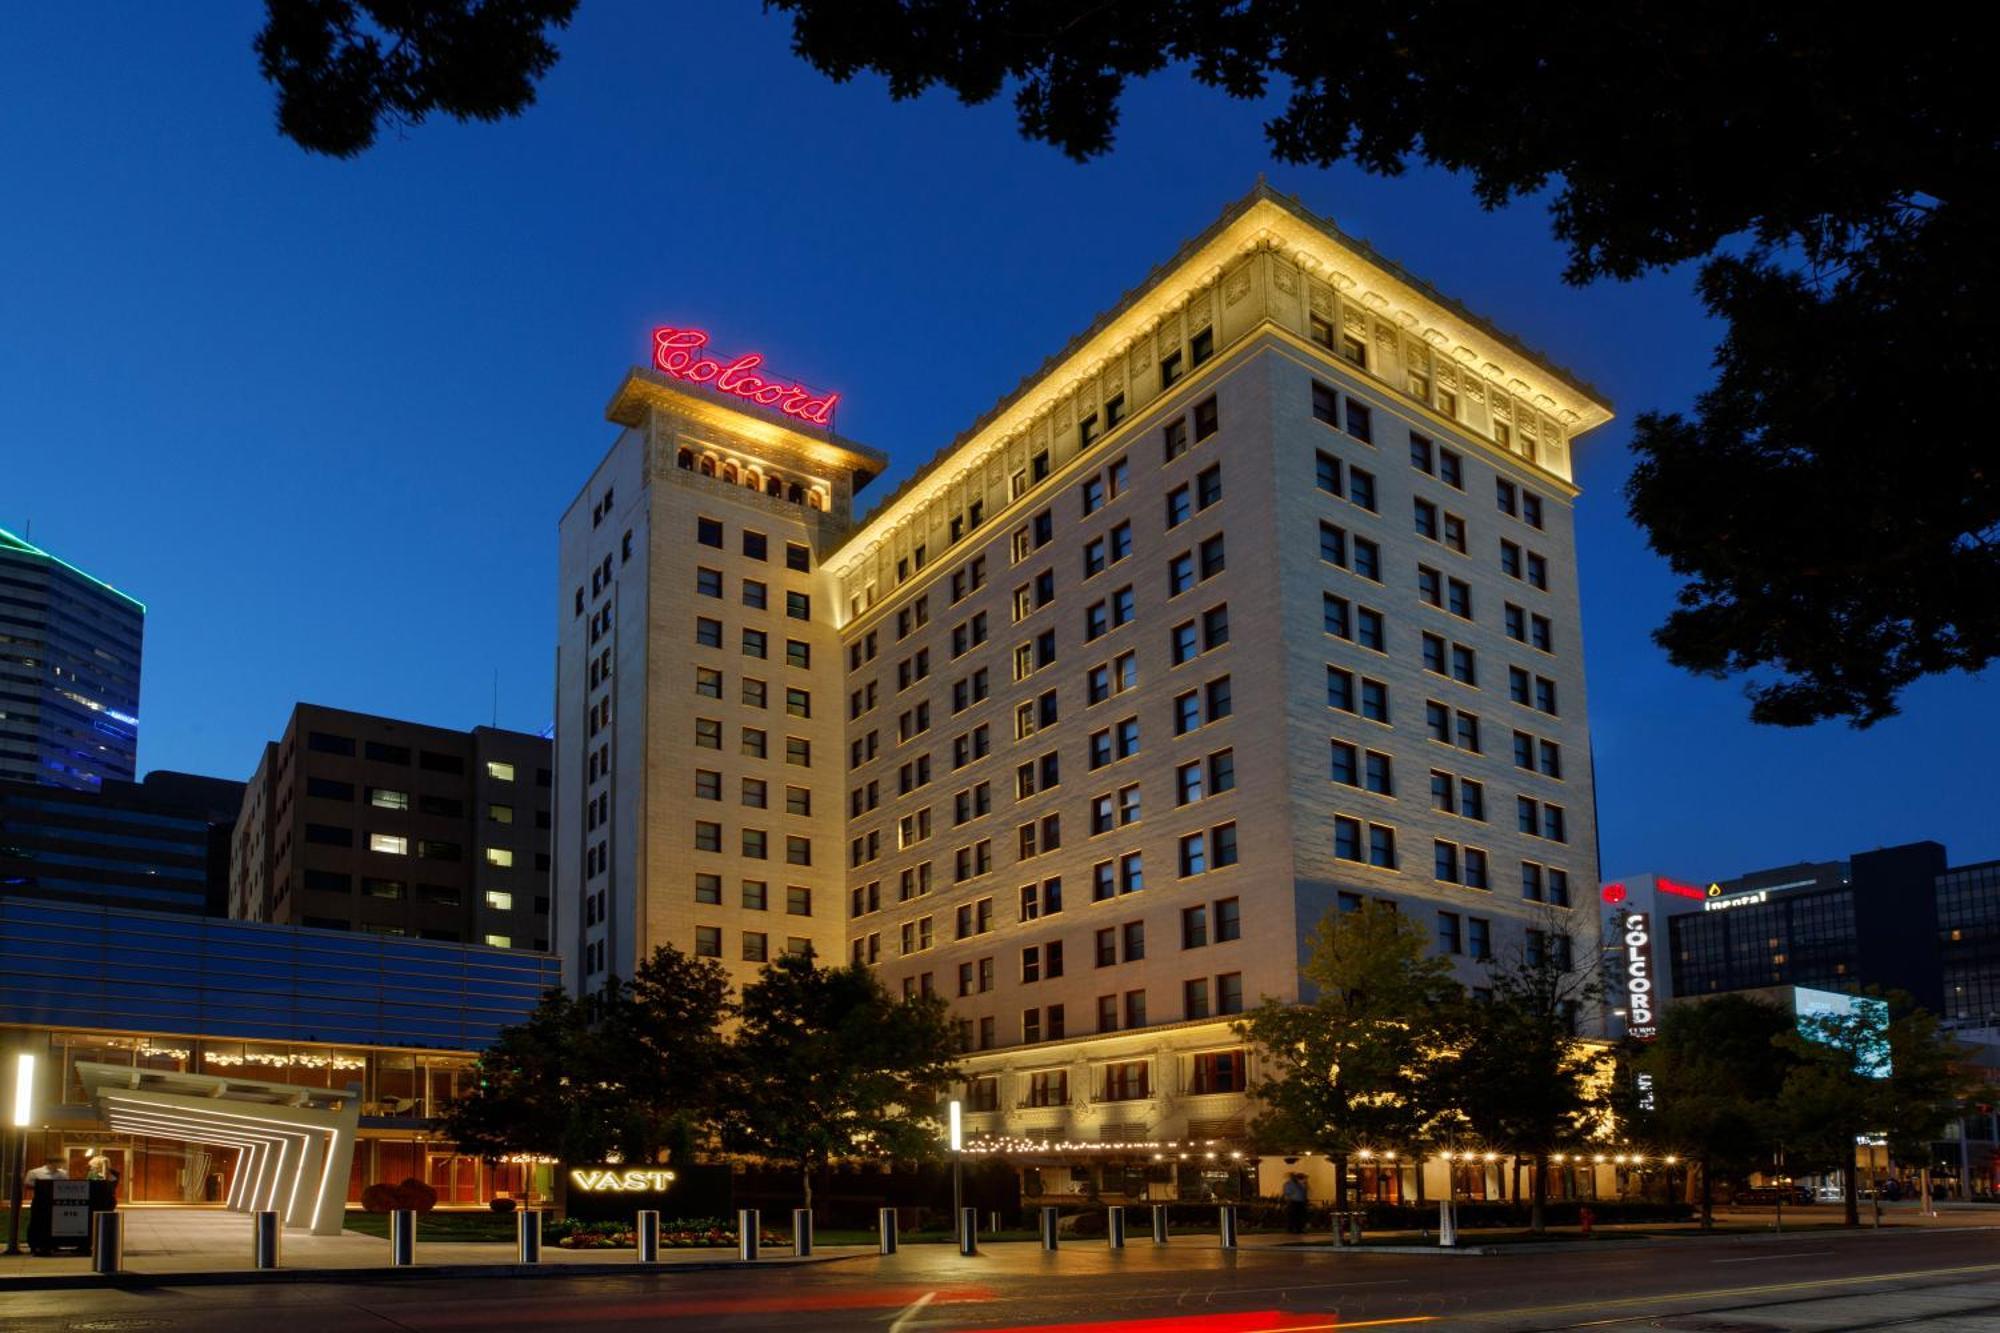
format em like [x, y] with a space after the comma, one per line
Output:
[681, 353]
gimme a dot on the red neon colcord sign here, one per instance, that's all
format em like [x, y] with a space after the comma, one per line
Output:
[677, 352]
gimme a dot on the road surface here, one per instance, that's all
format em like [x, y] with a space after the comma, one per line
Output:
[1932, 1280]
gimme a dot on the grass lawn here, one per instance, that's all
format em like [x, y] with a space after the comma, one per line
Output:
[481, 1225]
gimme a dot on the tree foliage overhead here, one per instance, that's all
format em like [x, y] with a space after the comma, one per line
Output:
[1831, 503]
[1831, 506]
[347, 69]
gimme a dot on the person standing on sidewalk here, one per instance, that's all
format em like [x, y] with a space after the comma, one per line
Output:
[1295, 1197]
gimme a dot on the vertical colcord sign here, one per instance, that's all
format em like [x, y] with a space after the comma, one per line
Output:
[1636, 933]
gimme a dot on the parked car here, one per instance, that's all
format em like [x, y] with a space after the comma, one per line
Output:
[1830, 1194]
[1773, 1194]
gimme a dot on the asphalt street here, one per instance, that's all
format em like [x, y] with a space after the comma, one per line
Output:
[1909, 1279]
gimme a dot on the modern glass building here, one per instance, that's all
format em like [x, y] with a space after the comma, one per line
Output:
[161, 845]
[394, 1023]
[69, 671]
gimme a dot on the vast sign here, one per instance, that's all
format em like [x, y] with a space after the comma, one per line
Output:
[600, 1180]
[1637, 974]
[616, 1191]
[679, 353]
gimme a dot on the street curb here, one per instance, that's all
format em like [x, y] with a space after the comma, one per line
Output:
[1624, 1243]
[414, 1273]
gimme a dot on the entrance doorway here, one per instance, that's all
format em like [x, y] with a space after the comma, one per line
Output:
[98, 1160]
[455, 1178]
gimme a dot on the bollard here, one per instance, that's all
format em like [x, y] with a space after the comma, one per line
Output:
[1114, 1227]
[649, 1236]
[886, 1236]
[1051, 1218]
[528, 1236]
[968, 1231]
[1447, 1224]
[802, 1232]
[1227, 1218]
[402, 1238]
[266, 1240]
[746, 1234]
[107, 1242]
[1159, 1224]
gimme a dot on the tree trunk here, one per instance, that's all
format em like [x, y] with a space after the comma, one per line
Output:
[1417, 1161]
[806, 1179]
[1707, 1199]
[1535, 1223]
[1850, 1177]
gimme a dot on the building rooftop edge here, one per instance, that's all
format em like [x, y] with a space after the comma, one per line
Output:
[15, 542]
[642, 386]
[1260, 193]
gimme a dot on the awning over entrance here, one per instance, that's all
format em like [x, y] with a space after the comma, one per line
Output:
[294, 1146]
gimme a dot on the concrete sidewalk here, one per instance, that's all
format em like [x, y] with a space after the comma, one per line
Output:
[212, 1244]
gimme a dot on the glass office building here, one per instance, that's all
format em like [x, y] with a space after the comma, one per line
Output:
[126, 844]
[69, 671]
[398, 1021]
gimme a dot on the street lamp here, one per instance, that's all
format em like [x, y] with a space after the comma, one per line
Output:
[956, 1121]
[22, 1114]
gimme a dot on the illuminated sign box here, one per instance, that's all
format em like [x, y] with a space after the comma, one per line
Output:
[619, 1191]
[1635, 935]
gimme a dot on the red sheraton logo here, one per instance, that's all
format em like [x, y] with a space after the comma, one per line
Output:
[678, 352]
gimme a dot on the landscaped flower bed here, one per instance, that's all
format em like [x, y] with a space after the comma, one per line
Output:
[681, 1234]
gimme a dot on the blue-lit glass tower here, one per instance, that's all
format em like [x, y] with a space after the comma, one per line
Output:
[69, 672]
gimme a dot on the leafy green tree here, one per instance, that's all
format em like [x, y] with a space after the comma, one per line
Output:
[1853, 267]
[831, 1066]
[636, 1071]
[1524, 1082]
[664, 1034]
[1849, 1082]
[540, 1089]
[1362, 1062]
[1928, 1086]
[347, 69]
[1717, 1074]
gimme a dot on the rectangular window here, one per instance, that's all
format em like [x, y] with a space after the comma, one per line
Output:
[1326, 473]
[1360, 422]
[1206, 419]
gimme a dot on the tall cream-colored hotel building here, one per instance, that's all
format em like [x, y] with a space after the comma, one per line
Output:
[1256, 601]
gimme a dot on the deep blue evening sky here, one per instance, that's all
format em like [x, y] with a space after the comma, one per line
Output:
[322, 416]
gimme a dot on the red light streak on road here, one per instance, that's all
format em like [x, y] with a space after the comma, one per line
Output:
[672, 1308]
[1247, 1321]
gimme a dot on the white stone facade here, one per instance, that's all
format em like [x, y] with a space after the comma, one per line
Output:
[931, 645]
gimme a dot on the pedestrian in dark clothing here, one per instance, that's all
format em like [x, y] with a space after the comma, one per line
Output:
[1295, 1197]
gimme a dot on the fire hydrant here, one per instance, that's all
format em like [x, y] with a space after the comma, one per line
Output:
[1586, 1216]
